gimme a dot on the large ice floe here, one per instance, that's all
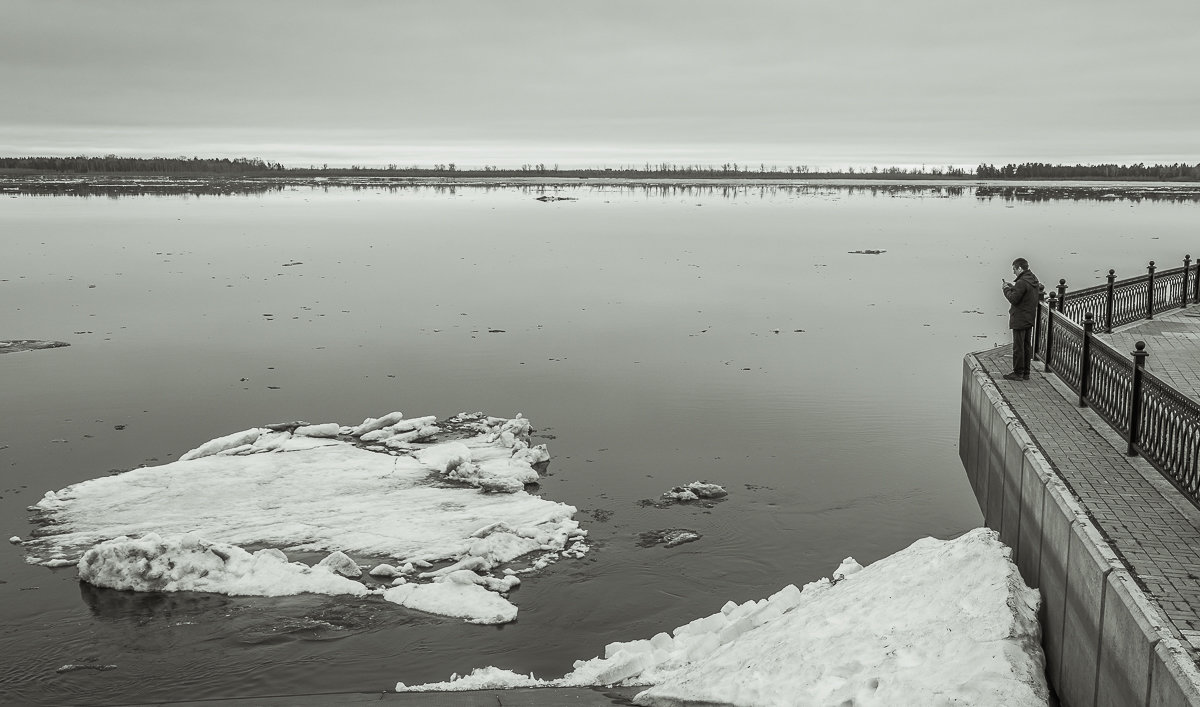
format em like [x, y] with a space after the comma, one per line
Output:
[440, 507]
[938, 623]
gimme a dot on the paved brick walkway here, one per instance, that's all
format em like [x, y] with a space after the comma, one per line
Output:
[1173, 341]
[1150, 526]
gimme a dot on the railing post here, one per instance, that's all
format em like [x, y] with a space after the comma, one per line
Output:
[1150, 291]
[1196, 284]
[1062, 294]
[1049, 332]
[1085, 363]
[1135, 400]
[1187, 266]
[1037, 318]
[1109, 300]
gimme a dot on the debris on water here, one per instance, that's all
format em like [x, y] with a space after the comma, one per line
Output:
[72, 667]
[547, 197]
[14, 345]
[868, 251]
[668, 537]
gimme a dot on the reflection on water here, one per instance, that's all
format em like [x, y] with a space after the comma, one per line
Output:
[121, 186]
[655, 334]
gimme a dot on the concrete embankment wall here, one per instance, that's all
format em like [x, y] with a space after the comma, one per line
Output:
[1106, 643]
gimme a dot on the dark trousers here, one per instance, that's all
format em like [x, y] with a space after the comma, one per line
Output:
[1022, 349]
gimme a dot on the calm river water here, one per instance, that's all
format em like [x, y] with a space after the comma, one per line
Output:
[654, 336]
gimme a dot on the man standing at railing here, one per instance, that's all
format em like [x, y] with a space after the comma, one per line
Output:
[1023, 294]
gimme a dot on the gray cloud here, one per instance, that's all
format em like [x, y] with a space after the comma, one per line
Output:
[803, 81]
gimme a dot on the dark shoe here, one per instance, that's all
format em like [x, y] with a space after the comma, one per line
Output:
[1024, 376]
[1014, 376]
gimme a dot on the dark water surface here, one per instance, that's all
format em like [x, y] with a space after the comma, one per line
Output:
[649, 333]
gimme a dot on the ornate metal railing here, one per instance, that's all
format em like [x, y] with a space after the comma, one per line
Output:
[1157, 421]
[1170, 436]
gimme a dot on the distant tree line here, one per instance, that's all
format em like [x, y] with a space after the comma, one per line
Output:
[112, 164]
[1041, 170]
[242, 166]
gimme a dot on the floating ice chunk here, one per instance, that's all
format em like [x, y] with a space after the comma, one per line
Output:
[468, 601]
[73, 667]
[372, 424]
[533, 455]
[300, 443]
[187, 563]
[479, 679]
[383, 570]
[576, 549]
[444, 457]
[941, 622]
[50, 501]
[221, 444]
[271, 441]
[317, 494]
[847, 568]
[696, 491]
[15, 540]
[340, 563]
[500, 485]
[377, 435]
[329, 429]
[273, 552]
[413, 424]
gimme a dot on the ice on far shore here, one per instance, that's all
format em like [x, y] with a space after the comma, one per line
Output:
[938, 623]
[391, 491]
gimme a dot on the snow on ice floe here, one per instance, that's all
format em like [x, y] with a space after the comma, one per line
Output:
[938, 623]
[187, 563]
[403, 490]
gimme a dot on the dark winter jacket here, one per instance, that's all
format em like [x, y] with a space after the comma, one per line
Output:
[1023, 294]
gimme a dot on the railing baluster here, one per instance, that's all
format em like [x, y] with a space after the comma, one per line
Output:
[1135, 398]
[1049, 333]
[1062, 294]
[1085, 364]
[1037, 318]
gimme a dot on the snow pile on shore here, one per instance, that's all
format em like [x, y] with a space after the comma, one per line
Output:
[938, 623]
[406, 491]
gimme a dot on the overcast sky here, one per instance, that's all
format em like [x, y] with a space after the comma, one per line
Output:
[608, 82]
